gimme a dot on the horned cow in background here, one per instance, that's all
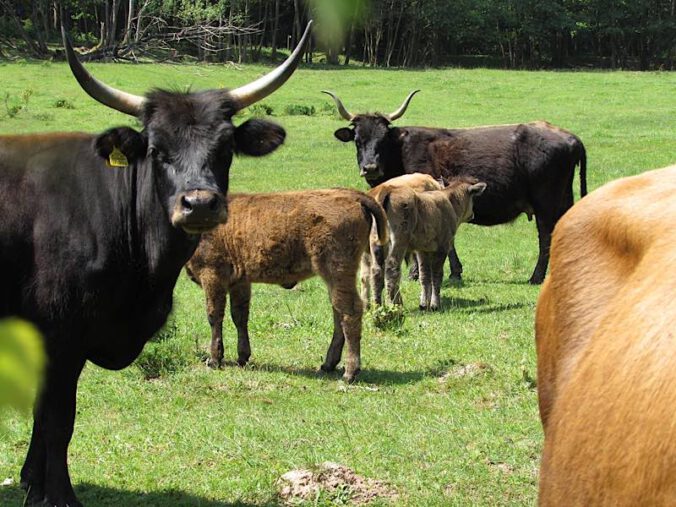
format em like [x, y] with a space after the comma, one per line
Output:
[528, 168]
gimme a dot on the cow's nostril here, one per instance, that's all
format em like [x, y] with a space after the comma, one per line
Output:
[185, 203]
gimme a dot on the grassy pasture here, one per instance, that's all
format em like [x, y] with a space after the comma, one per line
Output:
[440, 433]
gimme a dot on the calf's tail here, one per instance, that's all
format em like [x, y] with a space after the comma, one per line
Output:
[374, 211]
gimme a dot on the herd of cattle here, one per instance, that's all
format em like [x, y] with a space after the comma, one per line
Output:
[91, 255]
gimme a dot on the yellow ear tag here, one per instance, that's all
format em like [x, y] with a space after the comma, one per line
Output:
[117, 158]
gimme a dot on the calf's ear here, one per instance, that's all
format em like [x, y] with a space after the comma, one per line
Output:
[345, 134]
[477, 189]
[258, 137]
[126, 141]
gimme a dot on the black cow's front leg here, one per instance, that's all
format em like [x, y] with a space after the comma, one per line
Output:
[45, 472]
[545, 228]
[455, 265]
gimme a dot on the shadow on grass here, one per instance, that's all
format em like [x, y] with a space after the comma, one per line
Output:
[366, 376]
[100, 496]
[481, 305]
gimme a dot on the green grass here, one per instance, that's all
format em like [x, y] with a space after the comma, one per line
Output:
[192, 436]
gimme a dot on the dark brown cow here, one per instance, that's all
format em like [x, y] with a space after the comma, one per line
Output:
[606, 347]
[284, 238]
[90, 252]
[528, 168]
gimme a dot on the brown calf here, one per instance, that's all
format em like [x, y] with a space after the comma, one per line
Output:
[283, 238]
[424, 222]
[606, 346]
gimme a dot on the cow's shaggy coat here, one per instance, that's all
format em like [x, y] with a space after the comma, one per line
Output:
[283, 238]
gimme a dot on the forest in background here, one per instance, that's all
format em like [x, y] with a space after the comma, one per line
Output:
[628, 34]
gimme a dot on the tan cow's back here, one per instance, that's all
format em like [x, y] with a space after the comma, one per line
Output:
[606, 340]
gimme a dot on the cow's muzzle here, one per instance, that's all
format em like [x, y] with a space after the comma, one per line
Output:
[198, 211]
[370, 171]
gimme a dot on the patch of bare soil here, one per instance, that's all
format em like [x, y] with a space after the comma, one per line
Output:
[336, 481]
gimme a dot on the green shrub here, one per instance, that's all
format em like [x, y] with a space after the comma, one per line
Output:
[299, 110]
[63, 104]
[261, 109]
[13, 106]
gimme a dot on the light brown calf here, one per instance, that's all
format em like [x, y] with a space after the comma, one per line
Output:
[606, 346]
[424, 222]
[372, 272]
[283, 238]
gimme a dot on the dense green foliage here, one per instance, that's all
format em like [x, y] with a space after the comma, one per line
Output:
[445, 410]
[637, 34]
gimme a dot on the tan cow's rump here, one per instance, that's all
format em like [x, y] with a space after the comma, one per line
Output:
[606, 344]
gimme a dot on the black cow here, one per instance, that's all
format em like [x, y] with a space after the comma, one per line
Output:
[90, 252]
[528, 168]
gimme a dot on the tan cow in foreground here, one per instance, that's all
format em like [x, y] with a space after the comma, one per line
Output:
[283, 238]
[606, 345]
[424, 222]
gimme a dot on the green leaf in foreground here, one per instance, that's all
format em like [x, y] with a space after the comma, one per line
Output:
[21, 363]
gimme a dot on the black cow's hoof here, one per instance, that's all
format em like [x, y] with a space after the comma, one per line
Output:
[422, 308]
[242, 362]
[326, 368]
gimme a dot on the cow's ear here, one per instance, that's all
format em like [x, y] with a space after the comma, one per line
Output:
[258, 137]
[124, 141]
[345, 134]
[477, 189]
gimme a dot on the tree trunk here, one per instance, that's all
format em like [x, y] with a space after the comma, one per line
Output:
[296, 23]
[275, 27]
[130, 17]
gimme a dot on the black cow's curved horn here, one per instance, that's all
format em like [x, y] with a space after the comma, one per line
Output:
[264, 86]
[402, 109]
[341, 108]
[106, 95]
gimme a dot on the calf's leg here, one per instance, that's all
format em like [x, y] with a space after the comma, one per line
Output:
[425, 278]
[335, 351]
[413, 271]
[347, 315]
[240, 298]
[437, 275]
[379, 254]
[365, 277]
[393, 273]
[216, 295]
